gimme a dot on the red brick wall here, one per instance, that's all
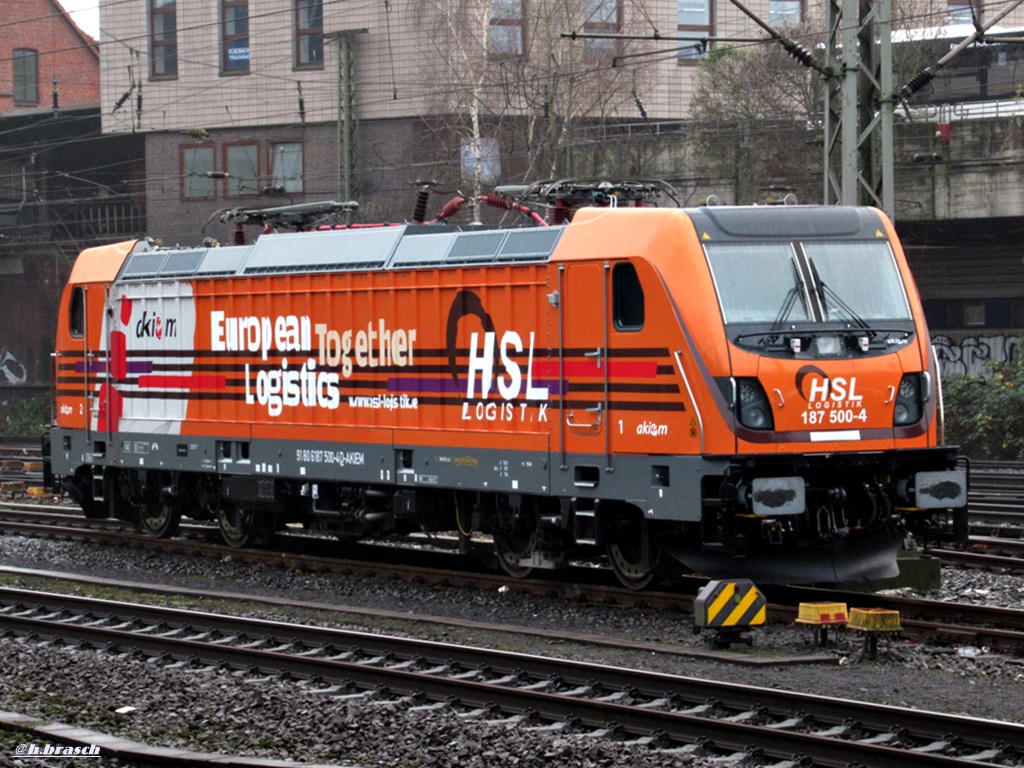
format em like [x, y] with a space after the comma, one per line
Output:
[65, 54]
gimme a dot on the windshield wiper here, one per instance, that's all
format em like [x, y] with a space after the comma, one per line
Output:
[791, 298]
[825, 292]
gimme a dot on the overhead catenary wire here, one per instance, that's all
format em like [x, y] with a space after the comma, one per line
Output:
[270, 72]
[926, 75]
[321, 116]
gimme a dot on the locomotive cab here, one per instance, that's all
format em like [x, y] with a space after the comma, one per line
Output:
[82, 395]
[831, 394]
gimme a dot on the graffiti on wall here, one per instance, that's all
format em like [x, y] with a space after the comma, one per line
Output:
[11, 371]
[971, 355]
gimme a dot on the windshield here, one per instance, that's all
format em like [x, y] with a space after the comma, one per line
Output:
[859, 278]
[757, 282]
[776, 283]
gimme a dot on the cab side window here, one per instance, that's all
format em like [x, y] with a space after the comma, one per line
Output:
[76, 316]
[627, 298]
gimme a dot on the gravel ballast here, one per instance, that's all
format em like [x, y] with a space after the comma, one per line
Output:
[234, 713]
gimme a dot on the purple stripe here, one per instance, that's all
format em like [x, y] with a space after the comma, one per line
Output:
[100, 366]
[446, 385]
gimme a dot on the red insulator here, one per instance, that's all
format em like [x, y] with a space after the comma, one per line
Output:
[560, 213]
[419, 212]
[239, 235]
[497, 201]
[451, 208]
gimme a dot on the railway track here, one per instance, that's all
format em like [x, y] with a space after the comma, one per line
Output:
[21, 469]
[932, 621]
[997, 491]
[669, 712]
[996, 519]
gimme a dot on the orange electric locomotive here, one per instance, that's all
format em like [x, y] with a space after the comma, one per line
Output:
[736, 391]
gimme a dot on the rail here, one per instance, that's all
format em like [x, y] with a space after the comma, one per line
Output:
[474, 681]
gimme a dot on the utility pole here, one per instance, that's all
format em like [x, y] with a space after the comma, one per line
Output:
[346, 112]
[859, 137]
[859, 97]
[859, 104]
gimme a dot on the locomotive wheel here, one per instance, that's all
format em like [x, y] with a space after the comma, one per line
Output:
[624, 554]
[160, 519]
[511, 547]
[238, 526]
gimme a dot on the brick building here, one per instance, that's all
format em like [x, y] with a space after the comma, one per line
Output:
[46, 61]
[63, 185]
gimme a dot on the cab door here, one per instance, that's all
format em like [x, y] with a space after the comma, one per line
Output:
[584, 375]
[71, 360]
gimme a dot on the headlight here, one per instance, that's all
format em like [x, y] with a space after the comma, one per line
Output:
[752, 406]
[908, 400]
[828, 346]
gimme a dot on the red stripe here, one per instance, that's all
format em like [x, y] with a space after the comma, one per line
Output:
[620, 368]
[183, 382]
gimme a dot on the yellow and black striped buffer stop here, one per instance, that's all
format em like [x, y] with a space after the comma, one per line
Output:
[726, 603]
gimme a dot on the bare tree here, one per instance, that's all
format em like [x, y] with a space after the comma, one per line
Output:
[514, 90]
[758, 119]
[759, 113]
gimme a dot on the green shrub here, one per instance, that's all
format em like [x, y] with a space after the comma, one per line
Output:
[985, 414]
[24, 416]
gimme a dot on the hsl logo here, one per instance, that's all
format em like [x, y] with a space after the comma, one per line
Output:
[821, 388]
[488, 353]
[493, 365]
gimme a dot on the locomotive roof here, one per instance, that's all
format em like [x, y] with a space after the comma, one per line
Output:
[408, 246]
[385, 247]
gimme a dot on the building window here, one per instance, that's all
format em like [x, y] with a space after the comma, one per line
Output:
[163, 25]
[286, 166]
[695, 19]
[242, 162]
[10, 180]
[309, 34]
[196, 170]
[1016, 313]
[974, 313]
[602, 17]
[785, 13]
[234, 36]
[506, 33]
[936, 314]
[26, 76]
[959, 12]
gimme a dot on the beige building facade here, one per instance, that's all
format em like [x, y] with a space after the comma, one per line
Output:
[248, 103]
